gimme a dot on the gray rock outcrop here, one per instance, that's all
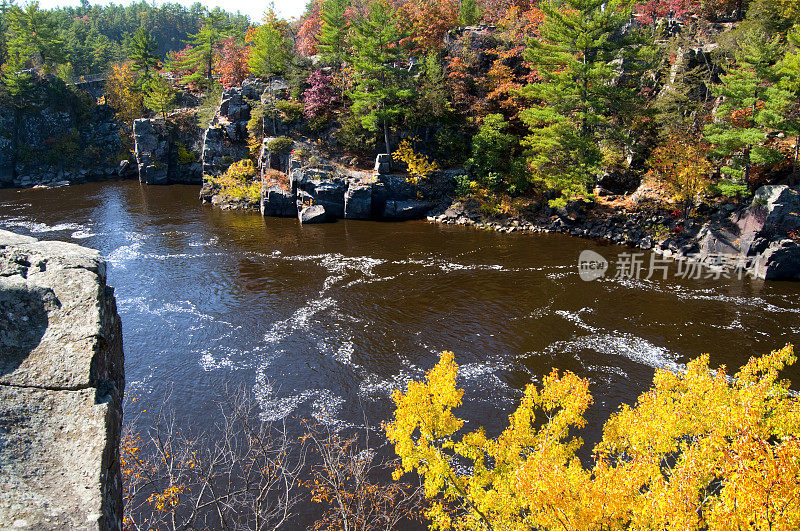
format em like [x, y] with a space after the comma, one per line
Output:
[61, 386]
[312, 214]
[162, 155]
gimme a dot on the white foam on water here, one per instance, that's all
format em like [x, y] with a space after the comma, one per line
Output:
[300, 320]
[634, 348]
[575, 318]
[82, 234]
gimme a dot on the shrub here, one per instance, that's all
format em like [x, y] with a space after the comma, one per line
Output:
[185, 156]
[280, 145]
[238, 182]
[291, 111]
[729, 188]
[419, 166]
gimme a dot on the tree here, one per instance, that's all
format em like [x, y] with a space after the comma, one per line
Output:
[121, 94]
[142, 53]
[789, 70]
[344, 480]
[751, 100]
[333, 41]
[5, 7]
[467, 12]
[319, 98]
[200, 58]
[698, 451]
[33, 38]
[381, 91]
[232, 66]
[681, 163]
[159, 95]
[582, 98]
[271, 52]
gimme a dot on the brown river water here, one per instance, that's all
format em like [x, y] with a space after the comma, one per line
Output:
[323, 321]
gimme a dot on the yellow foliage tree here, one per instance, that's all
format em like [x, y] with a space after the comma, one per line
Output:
[682, 164]
[697, 451]
[121, 93]
[419, 166]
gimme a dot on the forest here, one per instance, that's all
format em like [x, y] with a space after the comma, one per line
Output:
[560, 99]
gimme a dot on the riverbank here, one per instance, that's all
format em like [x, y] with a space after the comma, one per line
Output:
[760, 237]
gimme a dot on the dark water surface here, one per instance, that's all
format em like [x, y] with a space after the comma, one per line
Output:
[323, 321]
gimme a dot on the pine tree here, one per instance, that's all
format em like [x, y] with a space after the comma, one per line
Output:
[582, 99]
[333, 36]
[333, 32]
[271, 52]
[381, 92]
[468, 12]
[33, 38]
[205, 43]
[789, 70]
[5, 7]
[751, 105]
[142, 50]
[159, 96]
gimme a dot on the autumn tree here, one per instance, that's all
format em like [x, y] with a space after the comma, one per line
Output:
[232, 65]
[699, 450]
[381, 90]
[581, 99]
[681, 162]
[121, 94]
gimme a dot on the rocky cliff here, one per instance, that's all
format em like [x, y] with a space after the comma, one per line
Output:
[58, 135]
[61, 386]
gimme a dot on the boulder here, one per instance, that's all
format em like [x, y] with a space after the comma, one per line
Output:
[312, 214]
[358, 201]
[406, 209]
[277, 202]
[780, 261]
[61, 386]
[383, 163]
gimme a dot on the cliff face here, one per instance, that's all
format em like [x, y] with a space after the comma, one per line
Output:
[58, 136]
[61, 385]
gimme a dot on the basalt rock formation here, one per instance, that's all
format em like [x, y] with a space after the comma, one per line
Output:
[61, 385]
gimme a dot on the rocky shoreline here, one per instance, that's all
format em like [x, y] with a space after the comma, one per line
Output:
[761, 238]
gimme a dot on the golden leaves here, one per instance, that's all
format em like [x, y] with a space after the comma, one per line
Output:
[697, 451]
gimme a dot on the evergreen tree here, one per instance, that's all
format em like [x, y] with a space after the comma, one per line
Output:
[582, 99]
[381, 92]
[33, 38]
[271, 53]
[468, 12]
[142, 49]
[789, 69]
[752, 103]
[333, 35]
[205, 44]
[5, 7]
[333, 32]
[159, 96]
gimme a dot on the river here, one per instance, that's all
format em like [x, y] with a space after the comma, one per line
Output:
[324, 321]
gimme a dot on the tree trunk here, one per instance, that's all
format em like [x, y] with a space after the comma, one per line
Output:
[386, 136]
[793, 181]
[747, 167]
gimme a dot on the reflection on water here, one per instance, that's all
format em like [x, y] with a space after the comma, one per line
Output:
[323, 321]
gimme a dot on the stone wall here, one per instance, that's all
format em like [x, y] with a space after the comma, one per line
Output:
[61, 385]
